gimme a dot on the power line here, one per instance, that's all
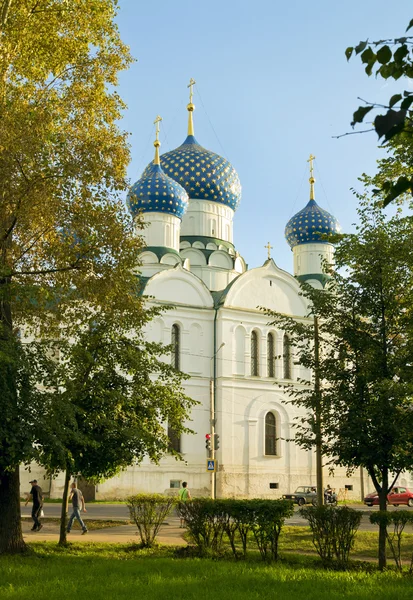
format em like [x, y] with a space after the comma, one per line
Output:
[322, 186]
[298, 193]
[151, 136]
[210, 122]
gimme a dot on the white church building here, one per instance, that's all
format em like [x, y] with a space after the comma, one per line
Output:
[237, 364]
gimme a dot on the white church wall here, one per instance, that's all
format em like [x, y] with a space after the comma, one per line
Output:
[215, 278]
[242, 400]
[308, 258]
[161, 230]
[208, 219]
[179, 286]
[266, 286]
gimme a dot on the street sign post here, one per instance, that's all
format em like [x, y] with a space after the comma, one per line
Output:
[211, 465]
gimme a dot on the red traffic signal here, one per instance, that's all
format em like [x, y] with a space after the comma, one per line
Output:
[208, 437]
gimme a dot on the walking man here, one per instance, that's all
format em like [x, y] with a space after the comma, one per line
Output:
[184, 495]
[36, 496]
[78, 504]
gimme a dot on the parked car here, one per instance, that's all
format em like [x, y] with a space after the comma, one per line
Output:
[398, 495]
[304, 494]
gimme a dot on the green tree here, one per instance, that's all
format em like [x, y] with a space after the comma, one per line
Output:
[110, 395]
[65, 238]
[310, 341]
[390, 59]
[365, 323]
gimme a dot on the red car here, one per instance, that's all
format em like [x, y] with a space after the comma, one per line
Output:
[398, 495]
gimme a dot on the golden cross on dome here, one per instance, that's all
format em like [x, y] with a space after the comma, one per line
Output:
[157, 143]
[311, 180]
[156, 122]
[192, 82]
[310, 160]
[269, 248]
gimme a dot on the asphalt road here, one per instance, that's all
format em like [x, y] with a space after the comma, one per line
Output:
[120, 512]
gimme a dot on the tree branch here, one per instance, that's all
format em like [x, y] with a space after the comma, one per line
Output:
[73, 267]
[337, 137]
[4, 13]
[394, 480]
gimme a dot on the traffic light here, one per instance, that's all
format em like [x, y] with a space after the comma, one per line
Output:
[208, 441]
[216, 441]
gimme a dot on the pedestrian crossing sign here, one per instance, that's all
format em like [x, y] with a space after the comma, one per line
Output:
[211, 465]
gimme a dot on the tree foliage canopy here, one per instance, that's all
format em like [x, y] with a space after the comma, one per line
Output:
[366, 338]
[68, 258]
[389, 59]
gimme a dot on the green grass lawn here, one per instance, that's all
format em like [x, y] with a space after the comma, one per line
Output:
[298, 539]
[104, 571]
[92, 524]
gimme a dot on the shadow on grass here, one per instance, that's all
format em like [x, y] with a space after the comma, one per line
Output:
[103, 571]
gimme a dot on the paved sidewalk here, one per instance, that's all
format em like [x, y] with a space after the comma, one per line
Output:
[170, 534]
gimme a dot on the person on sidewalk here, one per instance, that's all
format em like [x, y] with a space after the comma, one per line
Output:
[36, 496]
[184, 495]
[78, 504]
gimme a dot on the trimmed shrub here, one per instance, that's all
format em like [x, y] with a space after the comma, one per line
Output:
[399, 519]
[333, 531]
[268, 520]
[148, 511]
[239, 524]
[207, 521]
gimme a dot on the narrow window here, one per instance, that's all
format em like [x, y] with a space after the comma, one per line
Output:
[270, 435]
[270, 356]
[254, 354]
[176, 346]
[174, 440]
[287, 357]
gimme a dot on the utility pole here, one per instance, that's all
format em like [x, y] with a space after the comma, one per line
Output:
[212, 422]
[362, 484]
[212, 386]
[318, 428]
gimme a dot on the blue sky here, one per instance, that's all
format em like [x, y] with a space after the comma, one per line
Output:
[273, 86]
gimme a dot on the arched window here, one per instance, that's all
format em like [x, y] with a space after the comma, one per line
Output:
[270, 356]
[287, 357]
[174, 440]
[176, 346]
[270, 434]
[254, 354]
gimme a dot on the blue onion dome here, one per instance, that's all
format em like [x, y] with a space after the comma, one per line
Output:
[156, 192]
[310, 225]
[204, 174]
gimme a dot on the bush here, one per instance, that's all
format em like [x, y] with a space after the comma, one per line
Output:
[239, 523]
[399, 519]
[333, 531]
[205, 519]
[269, 517]
[149, 511]
[208, 520]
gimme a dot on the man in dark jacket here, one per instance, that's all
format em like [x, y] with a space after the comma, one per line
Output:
[36, 496]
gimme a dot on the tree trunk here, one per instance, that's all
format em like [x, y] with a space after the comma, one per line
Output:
[382, 526]
[63, 515]
[11, 536]
[318, 425]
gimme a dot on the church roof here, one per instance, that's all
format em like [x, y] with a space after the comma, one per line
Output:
[310, 225]
[202, 173]
[155, 191]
